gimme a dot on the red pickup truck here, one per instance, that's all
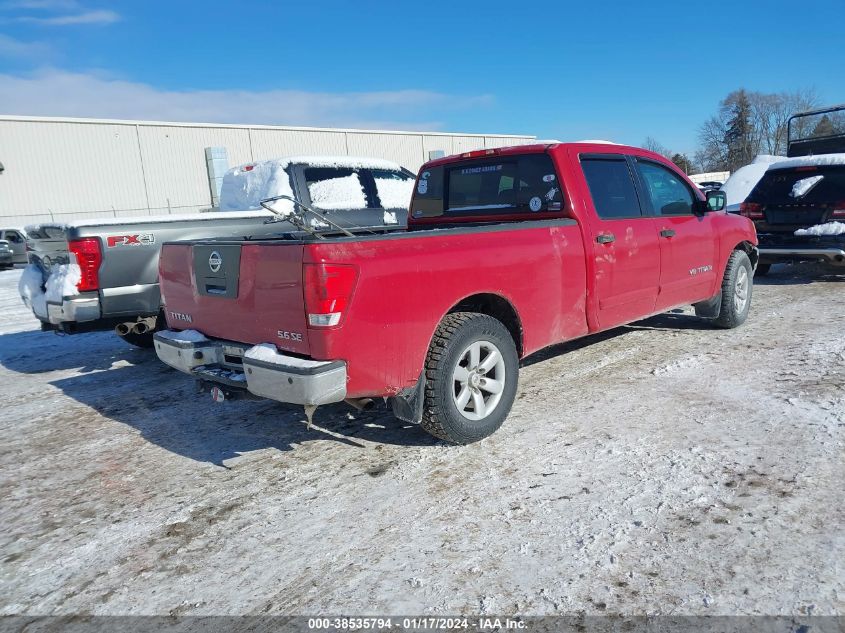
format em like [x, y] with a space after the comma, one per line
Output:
[507, 251]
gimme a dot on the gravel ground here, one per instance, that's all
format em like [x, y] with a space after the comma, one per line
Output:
[661, 468]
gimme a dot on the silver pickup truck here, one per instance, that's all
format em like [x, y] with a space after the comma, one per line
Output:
[103, 274]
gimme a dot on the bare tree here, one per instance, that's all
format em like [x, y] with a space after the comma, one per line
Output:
[748, 124]
[653, 145]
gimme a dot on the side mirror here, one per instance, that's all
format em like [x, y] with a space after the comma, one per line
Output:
[717, 200]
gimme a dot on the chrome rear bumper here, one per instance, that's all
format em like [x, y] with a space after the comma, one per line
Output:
[284, 378]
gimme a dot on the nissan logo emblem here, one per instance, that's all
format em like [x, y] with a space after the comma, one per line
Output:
[215, 261]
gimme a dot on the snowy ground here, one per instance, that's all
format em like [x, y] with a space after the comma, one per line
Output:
[661, 468]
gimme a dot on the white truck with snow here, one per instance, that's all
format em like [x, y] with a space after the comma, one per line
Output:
[103, 274]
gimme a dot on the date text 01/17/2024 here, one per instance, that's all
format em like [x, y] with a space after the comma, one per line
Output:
[416, 623]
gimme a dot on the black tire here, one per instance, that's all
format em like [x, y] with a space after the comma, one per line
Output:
[144, 341]
[449, 348]
[762, 270]
[738, 272]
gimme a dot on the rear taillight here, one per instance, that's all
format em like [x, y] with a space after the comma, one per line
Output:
[751, 210]
[839, 209]
[328, 290]
[89, 257]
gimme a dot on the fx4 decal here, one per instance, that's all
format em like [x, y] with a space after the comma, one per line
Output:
[142, 239]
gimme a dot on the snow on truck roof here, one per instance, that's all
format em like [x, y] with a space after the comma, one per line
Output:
[246, 185]
[810, 161]
[351, 162]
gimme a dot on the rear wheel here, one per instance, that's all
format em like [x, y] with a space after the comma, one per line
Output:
[472, 370]
[737, 285]
[762, 270]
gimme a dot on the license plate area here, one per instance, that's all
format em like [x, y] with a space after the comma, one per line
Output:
[794, 216]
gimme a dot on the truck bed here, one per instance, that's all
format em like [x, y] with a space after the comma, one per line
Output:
[406, 282]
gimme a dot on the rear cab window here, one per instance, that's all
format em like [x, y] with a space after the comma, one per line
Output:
[522, 185]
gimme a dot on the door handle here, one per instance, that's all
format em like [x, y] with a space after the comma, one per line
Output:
[605, 238]
[667, 233]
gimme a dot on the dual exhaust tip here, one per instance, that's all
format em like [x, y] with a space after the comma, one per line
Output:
[125, 328]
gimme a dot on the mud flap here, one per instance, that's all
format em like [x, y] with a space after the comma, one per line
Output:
[408, 404]
[709, 309]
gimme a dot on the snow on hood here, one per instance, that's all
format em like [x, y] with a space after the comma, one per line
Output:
[829, 228]
[744, 179]
[246, 185]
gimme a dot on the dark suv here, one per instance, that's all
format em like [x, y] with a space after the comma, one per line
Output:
[798, 206]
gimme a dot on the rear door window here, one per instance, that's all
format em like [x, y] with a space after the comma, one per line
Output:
[611, 187]
[335, 188]
[501, 185]
[13, 236]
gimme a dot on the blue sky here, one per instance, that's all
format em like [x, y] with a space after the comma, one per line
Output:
[616, 70]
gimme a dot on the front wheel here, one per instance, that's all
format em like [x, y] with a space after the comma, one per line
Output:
[737, 285]
[471, 369]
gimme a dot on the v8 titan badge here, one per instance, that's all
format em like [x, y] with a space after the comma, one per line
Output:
[535, 204]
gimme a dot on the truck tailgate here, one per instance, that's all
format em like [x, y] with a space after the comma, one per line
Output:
[250, 293]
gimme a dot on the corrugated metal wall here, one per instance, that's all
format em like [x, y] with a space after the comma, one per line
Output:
[65, 169]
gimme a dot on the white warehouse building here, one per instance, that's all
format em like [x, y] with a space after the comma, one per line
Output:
[60, 169]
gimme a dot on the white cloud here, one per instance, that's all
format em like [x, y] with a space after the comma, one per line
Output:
[48, 5]
[10, 47]
[61, 93]
[86, 17]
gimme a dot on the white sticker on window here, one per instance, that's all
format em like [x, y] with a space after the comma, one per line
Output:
[535, 204]
[425, 174]
[422, 187]
[549, 178]
[550, 194]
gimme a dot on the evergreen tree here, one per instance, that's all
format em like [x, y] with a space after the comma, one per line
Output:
[739, 135]
[823, 128]
[683, 161]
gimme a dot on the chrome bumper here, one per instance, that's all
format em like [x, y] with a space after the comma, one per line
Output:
[834, 256]
[286, 379]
